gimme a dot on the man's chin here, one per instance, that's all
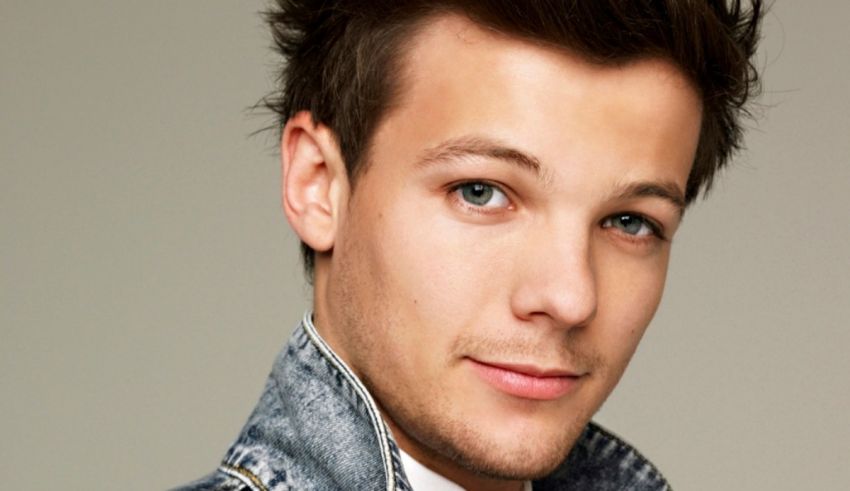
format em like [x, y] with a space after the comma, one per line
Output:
[511, 470]
[515, 463]
[501, 455]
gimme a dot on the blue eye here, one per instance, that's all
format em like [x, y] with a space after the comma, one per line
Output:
[482, 195]
[631, 224]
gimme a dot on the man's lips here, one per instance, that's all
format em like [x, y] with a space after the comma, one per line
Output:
[526, 381]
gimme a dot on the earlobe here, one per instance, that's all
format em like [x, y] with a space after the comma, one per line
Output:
[314, 181]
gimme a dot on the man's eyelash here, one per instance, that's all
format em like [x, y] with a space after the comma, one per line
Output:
[656, 229]
[453, 190]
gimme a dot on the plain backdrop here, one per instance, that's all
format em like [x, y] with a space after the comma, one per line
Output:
[149, 278]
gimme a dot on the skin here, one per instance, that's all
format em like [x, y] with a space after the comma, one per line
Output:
[423, 277]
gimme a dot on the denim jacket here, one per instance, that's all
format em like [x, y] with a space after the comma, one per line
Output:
[316, 427]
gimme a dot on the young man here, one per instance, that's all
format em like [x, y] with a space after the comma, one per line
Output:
[486, 192]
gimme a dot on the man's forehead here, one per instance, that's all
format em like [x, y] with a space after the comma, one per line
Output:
[454, 40]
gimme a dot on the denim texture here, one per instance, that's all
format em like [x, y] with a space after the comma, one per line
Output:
[316, 427]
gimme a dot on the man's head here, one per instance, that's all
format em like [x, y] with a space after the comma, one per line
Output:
[344, 59]
[492, 204]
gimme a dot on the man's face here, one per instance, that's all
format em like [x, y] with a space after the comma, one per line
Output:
[505, 249]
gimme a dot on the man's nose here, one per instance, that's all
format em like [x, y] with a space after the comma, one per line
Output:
[555, 281]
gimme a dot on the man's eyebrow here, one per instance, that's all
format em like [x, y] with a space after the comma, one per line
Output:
[477, 146]
[666, 190]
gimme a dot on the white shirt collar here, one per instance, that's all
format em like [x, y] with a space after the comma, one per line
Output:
[422, 478]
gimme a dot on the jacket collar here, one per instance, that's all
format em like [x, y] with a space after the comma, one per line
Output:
[316, 426]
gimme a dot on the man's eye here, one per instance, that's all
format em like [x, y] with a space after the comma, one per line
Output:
[631, 224]
[482, 195]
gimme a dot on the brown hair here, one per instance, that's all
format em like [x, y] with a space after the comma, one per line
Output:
[339, 57]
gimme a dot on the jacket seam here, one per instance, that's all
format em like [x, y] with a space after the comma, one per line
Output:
[247, 477]
[630, 448]
[362, 392]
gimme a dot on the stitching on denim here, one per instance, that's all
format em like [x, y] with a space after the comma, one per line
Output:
[372, 408]
[242, 474]
[605, 432]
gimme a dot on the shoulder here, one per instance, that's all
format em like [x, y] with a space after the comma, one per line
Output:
[601, 460]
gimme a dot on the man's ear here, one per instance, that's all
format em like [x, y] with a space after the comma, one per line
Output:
[314, 181]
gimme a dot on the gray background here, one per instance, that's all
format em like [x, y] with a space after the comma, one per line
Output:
[148, 276]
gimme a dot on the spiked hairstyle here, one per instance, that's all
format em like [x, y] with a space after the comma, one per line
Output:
[341, 58]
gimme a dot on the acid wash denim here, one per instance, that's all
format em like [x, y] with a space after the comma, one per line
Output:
[316, 427]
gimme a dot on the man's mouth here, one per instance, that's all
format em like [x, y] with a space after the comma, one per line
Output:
[527, 381]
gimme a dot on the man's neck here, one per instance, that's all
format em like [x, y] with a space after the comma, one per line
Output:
[421, 477]
[449, 470]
